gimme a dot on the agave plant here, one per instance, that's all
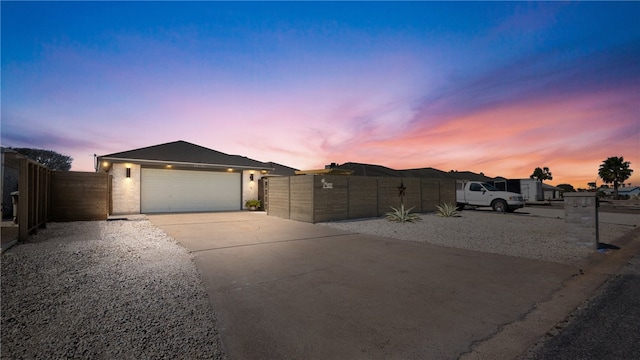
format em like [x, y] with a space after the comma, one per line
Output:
[402, 215]
[448, 210]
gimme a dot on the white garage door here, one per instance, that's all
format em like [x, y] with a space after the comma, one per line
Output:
[186, 190]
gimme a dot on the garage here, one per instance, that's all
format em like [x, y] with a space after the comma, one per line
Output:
[168, 190]
[181, 177]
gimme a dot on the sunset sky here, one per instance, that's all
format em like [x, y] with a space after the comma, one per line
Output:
[493, 87]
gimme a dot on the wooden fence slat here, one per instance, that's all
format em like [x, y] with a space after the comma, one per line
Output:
[46, 195]
[23, 200]
[79, 196]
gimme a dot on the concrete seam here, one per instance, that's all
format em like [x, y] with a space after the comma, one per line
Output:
[274, 242]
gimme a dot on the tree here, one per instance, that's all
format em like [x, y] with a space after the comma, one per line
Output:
[48, 158]
[615, 170]
[566, 187]
[541, 174]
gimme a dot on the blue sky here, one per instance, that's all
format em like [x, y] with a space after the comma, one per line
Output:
[493, 87]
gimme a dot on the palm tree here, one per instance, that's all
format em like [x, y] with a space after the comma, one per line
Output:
[541, 174]
[615, 170]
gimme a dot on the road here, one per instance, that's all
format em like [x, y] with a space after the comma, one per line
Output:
[607, 326]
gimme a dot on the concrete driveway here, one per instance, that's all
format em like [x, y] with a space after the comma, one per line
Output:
[289, 290]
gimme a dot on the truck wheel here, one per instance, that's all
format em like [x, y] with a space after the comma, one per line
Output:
[499, 206]
[460, 206]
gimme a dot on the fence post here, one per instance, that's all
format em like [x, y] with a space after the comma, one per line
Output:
[23, 200]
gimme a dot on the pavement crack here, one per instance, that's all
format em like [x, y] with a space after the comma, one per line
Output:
[277, 279]
[291, 276]
[273, 242]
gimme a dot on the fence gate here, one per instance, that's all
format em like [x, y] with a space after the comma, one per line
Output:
[79, 196]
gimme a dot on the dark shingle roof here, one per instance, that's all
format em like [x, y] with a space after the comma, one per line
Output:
[281, 170]
[429, 173]
[369, 170]
[185, 152]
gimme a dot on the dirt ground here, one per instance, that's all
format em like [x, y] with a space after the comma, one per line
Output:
[610, 206]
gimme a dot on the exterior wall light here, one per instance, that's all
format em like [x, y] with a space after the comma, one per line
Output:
[250, 177]
[128, 172]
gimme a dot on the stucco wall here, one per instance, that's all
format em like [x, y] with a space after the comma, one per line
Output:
[249, 187]
[125, 191]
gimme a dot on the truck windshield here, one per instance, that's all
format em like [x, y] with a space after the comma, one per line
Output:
[489, 187]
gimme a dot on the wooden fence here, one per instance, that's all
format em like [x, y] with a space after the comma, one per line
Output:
[33, 201]
[46, 195]
[317, 198]
[79, 196]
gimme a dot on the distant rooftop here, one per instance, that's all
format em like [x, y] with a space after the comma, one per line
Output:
[360, 169]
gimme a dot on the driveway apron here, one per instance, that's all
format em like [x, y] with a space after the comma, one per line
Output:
[290, 290]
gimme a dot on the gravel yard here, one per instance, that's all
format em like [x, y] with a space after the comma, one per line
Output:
[509, 234]
[118, 289]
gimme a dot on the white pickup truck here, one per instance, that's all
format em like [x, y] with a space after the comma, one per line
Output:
[476, 193]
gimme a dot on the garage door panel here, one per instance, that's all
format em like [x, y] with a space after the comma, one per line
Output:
[185, 190]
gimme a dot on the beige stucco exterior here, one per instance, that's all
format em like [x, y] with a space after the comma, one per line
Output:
[249, 187]
[125, 191]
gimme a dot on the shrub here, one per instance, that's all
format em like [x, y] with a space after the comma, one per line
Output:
[252, 203]
[401, 215]
[447, 210]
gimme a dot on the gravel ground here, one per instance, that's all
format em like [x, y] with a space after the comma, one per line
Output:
[124, 289]
[118, 289]
[509, 234]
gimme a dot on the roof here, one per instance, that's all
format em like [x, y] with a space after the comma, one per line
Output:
[429, 173]
[182, 152]
[281, 170]
[550, 187]
[332, 171]
[369, 170]
[628, 189]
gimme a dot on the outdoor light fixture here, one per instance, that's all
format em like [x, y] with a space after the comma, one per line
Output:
[251, 177]
[128, 172]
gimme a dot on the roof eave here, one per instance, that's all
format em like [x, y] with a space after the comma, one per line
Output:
[182, 163]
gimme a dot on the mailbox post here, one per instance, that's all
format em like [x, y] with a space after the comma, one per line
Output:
[581, 218]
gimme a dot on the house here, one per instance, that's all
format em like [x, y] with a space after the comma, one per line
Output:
[180, 177]
[628, 191]
[359, 169]
[552, 192]
[9, 183]
[623, 190]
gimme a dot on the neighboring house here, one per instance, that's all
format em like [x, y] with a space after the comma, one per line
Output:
[426, 173]
[552, 192]
[10, 173]
[629, 191]
[180, 177]
[622, 191]
[606, 190]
